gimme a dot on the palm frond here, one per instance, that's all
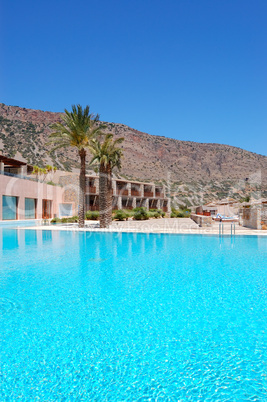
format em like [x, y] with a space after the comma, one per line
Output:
[107, 152]
[77, 129]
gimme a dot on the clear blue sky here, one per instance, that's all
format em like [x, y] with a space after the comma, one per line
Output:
[188, 69]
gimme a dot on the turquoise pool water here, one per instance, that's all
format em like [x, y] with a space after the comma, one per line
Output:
[132, 317]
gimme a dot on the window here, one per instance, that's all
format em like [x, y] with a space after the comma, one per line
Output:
[9, 208]
[30, 208]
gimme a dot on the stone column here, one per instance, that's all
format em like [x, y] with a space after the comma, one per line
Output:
[153, 188]
[2, 167]
[259, 208]
[169, 206]
[114, 187]
[147, 203]
[119, 203]
[129, 188]
[134, 202]
[97, 185]
[22, 170]
[142, 190]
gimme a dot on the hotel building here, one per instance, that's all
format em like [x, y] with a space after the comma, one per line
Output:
[22, 196]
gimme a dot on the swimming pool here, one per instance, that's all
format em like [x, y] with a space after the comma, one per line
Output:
[132, 317]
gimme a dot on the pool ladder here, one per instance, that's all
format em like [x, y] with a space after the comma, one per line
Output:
[221, 229]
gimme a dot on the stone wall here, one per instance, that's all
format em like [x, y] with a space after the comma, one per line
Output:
[251, 217]
[71, 190]
[201, 220]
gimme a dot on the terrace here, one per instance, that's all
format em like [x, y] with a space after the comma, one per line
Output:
[14, 168]
[90, 185]
[135, 190]
[159, 193]
[121, 188]
[148, 191]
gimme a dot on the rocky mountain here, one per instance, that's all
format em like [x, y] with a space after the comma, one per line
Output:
[194, 172]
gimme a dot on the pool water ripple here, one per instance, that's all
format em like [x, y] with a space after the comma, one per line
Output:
[7, 306]
[132, 317]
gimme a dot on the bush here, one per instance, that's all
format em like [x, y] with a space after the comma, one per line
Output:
[140, 214]
[55, 220]
[180, 214]
[155, 213]
[137, 209]
[129, 212]
[120, 215]
[92, 215]
[71, 219]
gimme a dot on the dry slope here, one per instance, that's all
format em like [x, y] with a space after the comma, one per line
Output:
[190, 168]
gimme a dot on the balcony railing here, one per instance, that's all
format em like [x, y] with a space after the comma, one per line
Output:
[159, 194]
[19, 176]
[122, 192]
[148, 194]
[136, 193]
[91, 189]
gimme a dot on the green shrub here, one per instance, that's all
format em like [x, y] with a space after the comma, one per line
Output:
[140, 214]
[156, 213]
[73, 219]
[177, 213]
[120, 215]
[92, 215]
[137, 209]
[129, 212]
[55, 220]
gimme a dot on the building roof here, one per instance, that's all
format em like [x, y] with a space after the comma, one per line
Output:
[129, 181]
[14, 163]
[11, 162]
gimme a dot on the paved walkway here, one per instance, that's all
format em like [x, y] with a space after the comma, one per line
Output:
[166, 225]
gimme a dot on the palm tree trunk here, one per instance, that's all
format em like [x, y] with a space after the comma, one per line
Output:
[105, 195]
[109, 196]
[82, 154]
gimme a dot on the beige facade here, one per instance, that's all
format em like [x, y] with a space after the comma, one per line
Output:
[22, 197]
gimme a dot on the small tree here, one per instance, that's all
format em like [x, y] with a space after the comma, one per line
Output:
[42, 173]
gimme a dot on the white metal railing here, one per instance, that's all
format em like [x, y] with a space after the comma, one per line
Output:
[221, 229]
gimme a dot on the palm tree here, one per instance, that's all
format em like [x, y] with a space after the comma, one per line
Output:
[108, 155]
[78, 128]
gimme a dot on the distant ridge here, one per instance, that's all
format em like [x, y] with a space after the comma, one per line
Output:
[193, 170]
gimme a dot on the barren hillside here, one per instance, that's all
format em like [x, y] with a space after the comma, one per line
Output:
[192, 170]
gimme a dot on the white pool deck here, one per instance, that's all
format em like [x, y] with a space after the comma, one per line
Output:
[164, 225]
